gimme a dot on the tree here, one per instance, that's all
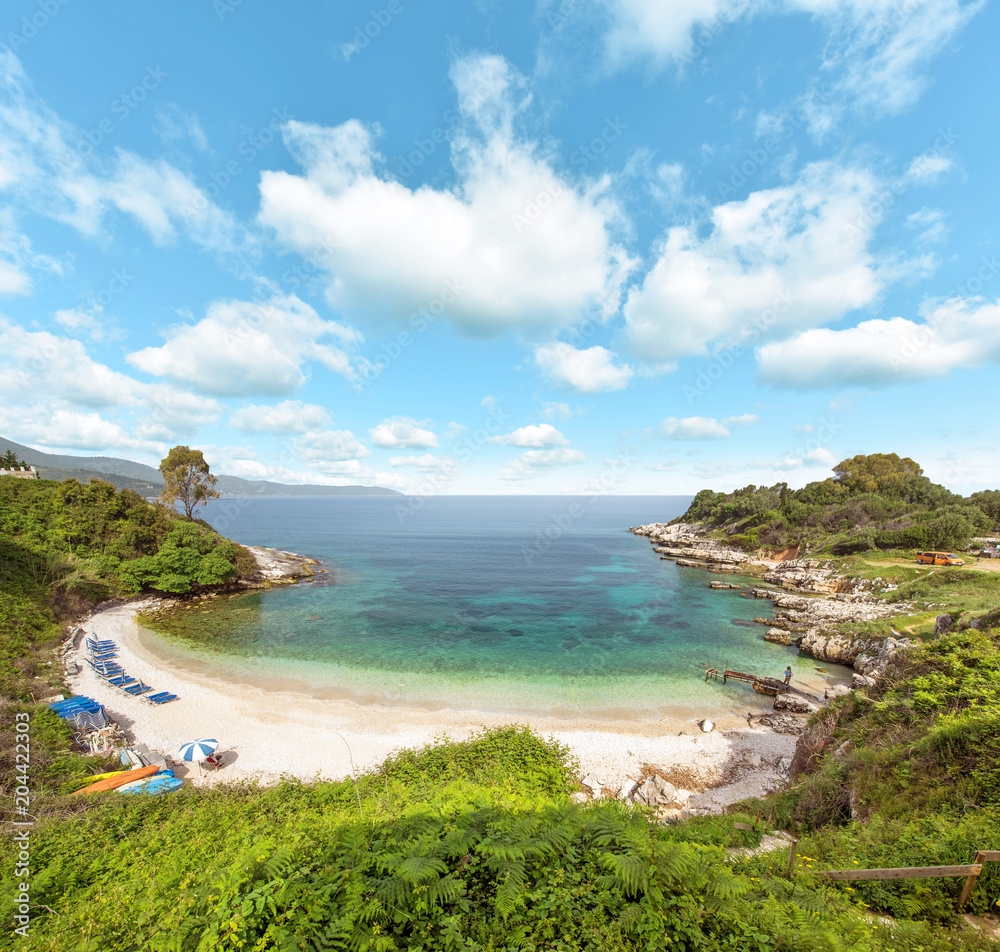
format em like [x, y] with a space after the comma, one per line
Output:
[882, 473]
[187, 479]
[9, 460]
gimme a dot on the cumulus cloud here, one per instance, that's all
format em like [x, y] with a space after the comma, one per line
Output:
[326, 447]
[290, 416]
[538, 435]
[535, 462]
[955, 334]
[693, 428]
[400, 432]
[786, 257]
[242, 348]
[511, 244]
[51, 377]
[590, 370]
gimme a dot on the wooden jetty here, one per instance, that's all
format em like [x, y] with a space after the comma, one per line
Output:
[770, 687]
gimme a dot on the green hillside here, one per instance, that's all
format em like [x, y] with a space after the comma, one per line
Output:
[476, 845]
[871, 502]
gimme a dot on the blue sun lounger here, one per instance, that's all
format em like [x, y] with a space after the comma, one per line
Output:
[71, 702]
[140, 687]
[161, 698]
[122, 682]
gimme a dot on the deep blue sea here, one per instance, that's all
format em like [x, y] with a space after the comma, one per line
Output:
[514, 603]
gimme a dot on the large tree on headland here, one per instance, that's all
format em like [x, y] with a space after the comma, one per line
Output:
[882, 473]
[187, 479]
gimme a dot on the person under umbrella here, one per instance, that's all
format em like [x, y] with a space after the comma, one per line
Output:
[198, 750]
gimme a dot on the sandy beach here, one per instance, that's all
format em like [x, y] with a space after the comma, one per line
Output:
[266, 733]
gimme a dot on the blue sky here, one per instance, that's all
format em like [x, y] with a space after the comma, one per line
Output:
[634, 246]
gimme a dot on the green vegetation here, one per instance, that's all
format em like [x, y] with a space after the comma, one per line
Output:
[872, 502]
[479, 845]
[65, 546]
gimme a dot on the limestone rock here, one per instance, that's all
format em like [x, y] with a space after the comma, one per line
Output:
[778, 636]
[862, 681]
[656, 792]
[793, 703]
[596, 786]
[943, 624]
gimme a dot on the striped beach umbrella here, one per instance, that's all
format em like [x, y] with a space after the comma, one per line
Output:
[198, 749]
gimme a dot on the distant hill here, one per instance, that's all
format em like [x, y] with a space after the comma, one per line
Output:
[147, 481]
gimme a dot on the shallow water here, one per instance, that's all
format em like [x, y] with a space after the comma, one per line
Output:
[527, 604]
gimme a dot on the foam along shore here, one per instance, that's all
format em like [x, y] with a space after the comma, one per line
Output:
[265, 734]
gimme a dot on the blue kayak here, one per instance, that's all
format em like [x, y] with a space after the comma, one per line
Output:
[163, 782]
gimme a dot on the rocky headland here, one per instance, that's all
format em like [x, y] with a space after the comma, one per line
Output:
[809, 597]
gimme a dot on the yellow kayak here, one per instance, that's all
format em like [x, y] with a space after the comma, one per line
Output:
[117, 779]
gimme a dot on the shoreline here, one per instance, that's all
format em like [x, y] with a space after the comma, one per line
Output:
[266, 734]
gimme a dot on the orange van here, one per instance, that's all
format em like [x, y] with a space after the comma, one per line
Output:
[939, 558]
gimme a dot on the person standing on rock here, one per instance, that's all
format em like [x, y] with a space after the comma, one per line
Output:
[788, 674]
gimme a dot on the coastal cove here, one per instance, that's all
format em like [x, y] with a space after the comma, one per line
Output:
[457, 605]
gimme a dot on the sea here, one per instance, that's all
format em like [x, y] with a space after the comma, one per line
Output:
[507, 604]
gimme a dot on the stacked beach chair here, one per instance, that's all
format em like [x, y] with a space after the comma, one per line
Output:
[103, 658]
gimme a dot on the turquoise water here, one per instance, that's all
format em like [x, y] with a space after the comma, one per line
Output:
[541, 604]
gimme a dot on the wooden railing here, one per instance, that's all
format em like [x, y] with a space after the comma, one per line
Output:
[970, 871]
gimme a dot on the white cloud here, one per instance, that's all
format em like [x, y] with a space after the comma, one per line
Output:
[510, 245]
[57, 172]
[52, 378]
[661, 30]
[590, 370]
[402, 433]
[877, 53]
[326, 447]
[175, 125]
[241, 348]
[693, 428]
[290, 416]
[557, 411]
[954, 334]
[931, 223]
[928, 168]
[12, 279]
[428, 463]
[535, 462]
[786, 257]
[821, 455]
[538, 435]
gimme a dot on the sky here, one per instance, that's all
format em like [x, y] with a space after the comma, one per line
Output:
[571, 246]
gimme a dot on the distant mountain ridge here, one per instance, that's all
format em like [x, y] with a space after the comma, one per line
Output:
[147, 481]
